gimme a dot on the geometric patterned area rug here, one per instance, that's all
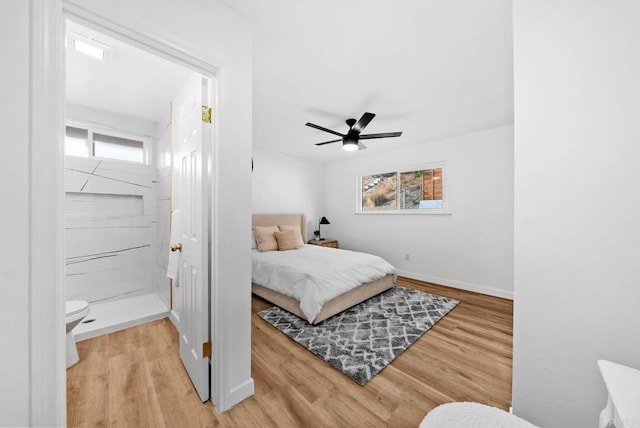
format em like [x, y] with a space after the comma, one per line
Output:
[364, 339]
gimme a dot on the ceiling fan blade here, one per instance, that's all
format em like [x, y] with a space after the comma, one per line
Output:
[321, 128]
[363, 122]
[381, 135]
[328, 142]
[361, 146]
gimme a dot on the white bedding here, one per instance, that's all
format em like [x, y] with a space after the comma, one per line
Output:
[314, 275]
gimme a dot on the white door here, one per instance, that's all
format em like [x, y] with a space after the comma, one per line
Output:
[191, 141]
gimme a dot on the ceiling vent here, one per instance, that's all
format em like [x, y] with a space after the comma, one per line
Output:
[86, 45]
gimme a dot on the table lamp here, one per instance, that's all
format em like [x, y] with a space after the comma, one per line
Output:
[323, 220]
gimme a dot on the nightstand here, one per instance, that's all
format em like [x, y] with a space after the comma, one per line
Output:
[331, 243]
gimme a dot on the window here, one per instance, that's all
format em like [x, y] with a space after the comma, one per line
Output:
[418, 190]
[106, 146]
[86, 142]
[379, 192]
[421, 189]
[76, 142]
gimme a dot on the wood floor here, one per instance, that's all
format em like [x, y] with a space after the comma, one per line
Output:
[134, 377]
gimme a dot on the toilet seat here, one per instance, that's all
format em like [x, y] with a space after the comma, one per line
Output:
[73, 307]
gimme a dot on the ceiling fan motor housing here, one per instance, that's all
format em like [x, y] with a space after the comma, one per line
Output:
[350, 140]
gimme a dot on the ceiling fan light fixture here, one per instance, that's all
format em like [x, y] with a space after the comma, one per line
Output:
[351, 140]
[350, 145]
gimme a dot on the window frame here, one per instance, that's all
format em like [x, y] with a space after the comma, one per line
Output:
[96, 129]
[446, 170]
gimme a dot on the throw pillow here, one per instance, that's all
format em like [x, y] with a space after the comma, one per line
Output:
[295, 229]
[287, 240]
[265, 237]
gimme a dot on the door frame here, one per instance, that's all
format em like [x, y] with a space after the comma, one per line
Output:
[47, 82]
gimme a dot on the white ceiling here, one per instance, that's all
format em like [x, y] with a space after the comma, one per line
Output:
[134, 83]
[429, 68]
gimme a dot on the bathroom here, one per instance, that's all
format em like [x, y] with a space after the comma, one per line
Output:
[117, 181]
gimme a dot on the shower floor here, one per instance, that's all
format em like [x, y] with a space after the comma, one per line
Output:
[120, 314]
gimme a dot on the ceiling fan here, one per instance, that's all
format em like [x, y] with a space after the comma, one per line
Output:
[351, 140]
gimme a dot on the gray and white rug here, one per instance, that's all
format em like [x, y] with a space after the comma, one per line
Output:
[364, 339]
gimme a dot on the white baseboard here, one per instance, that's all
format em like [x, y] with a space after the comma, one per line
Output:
[241, 392]
[174, 319]
[496, 292]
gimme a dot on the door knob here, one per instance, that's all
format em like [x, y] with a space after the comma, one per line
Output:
[176, 247]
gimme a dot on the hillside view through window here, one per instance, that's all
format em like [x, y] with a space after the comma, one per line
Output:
[409, 190]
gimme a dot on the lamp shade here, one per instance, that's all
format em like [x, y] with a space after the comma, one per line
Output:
[324, 220]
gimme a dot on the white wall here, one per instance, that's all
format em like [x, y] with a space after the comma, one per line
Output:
[109, 119]
[577, 236]
[287, 184]
[14, 215]
[472, 248]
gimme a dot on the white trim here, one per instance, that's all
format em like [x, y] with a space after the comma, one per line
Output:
[405, 168]
[157, 44]
[219, 338]
[47, 366]
[242, 391]
[423, 211]
[174, 319]
[496, 292]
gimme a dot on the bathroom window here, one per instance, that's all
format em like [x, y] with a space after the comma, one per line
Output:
[88, 142]
[76, 142]
[106, 146]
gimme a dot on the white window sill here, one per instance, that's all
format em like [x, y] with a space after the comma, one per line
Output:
[405, 212]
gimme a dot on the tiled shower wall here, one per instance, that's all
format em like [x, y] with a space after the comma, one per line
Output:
[108, 228]
[160, 244]
[117, 217]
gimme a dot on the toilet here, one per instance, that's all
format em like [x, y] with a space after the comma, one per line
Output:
[75, 311]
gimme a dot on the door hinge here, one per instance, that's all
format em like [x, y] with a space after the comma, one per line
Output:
[206, 114]
[207, 350]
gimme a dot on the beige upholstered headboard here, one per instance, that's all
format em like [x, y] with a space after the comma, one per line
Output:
[283, 219]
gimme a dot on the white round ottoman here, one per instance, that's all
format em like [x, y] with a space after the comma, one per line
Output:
[471, 415]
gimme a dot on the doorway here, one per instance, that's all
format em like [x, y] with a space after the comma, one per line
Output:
[199, 35]
[119, 189]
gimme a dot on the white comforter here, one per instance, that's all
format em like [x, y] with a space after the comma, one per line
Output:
[314, 275]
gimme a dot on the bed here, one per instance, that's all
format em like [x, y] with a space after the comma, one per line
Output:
[270, 275]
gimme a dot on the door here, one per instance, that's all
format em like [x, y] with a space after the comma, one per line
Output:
[191, 143]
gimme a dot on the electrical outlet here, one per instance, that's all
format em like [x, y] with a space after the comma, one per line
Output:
[407, 257]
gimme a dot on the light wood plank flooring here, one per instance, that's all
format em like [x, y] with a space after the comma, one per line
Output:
[134, 377]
